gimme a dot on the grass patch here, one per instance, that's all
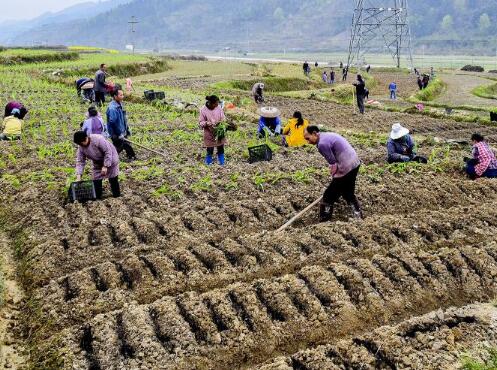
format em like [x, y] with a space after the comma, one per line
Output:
[490, 364]
[433, 91]
[272, 84]
[20, 56]
[486, 91]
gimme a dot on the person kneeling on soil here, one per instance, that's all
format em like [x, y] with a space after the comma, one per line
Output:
[344, 167]
[401, 146]
[270, 122]
[211, 115]
[483, 163]
[293, 133]
[13, 121]
[94, 124]
[105, 161]
[258, 92]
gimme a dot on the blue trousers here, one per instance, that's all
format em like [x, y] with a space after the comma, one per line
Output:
[470, 170]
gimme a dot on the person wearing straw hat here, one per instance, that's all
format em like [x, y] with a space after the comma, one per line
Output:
[344, 167]
[270, 122]
[401, 146]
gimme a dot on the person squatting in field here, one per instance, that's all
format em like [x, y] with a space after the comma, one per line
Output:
[105, 161]
[344, 167]
[293, 133]
[483, 162]
[211, 115]
[401, 146]
[94, 123]
[13, 121]
[269, 122]
[117, 124]
[258, 92]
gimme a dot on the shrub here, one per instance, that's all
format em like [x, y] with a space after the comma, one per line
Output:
[272, 84]
[470, 68]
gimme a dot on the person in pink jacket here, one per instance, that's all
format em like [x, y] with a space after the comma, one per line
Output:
[212, 115]
[105, 161]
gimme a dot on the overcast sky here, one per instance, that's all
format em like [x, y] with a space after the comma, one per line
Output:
[27, 9]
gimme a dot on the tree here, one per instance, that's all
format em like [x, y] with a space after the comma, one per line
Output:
[447, 23]
[484, 22]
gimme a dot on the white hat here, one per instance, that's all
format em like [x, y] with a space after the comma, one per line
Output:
[398, 131]
[268, 112]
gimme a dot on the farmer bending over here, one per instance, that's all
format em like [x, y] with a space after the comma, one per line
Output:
[117, 124]
[293, 133]
[211, 115]
[270, 122]
[13, 121]
[105, 161]
[257, 92]
[483, 163]
[344, 167]
[401, 146]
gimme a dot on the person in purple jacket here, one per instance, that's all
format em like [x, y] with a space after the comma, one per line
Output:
[105, 161]
[344, 167]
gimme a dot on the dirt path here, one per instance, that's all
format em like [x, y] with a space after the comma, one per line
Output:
[11, 351]
[459, 90]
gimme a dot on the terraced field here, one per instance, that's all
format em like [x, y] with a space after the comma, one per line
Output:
[186, 270]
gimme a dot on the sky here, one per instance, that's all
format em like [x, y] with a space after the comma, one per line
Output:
[27, 9]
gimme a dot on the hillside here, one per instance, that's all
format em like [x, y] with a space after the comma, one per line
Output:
[268, 26]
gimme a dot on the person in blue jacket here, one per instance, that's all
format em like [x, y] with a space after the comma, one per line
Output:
[117, 124]
[401, 146]
[393, 91]
[270, 122]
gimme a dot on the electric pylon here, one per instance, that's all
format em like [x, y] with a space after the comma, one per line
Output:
[380, 26]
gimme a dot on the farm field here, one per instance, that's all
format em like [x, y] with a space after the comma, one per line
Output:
[187, 271]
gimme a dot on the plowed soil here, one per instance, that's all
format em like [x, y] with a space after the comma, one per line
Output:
[201, 280]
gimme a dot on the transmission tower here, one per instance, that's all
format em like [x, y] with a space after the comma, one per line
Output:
[380, 26]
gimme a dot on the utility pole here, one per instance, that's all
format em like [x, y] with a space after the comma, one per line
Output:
[379, 24]
[132, 23]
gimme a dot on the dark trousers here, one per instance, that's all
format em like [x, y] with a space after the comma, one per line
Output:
[342, 187]
[99, 97]
[121, 145]
[220, 150]
[360, 103]
[416, 158]
[114, 186]
[471, 171]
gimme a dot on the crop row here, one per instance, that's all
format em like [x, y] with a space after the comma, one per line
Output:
[145, 277]
[245, 323]
[431, 341]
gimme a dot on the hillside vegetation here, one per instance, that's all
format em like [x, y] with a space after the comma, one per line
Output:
[266, 26]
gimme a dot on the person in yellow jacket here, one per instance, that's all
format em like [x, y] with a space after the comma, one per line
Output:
[293, 133]
[12, 123]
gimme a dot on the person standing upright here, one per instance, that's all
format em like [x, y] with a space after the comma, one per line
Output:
[100, 85]
[360, 89]
[393, 90]
[117, 124]
[332, 77]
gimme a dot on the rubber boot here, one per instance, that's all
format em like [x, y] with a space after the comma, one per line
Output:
[221, 160]
[325, 212]
[356, 210]
[208, 160]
